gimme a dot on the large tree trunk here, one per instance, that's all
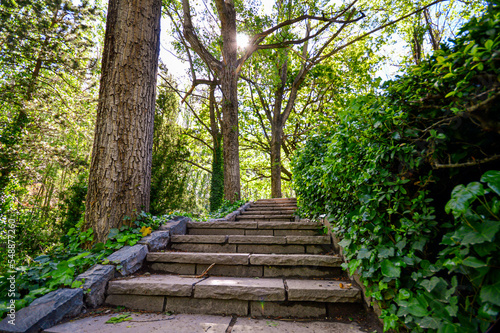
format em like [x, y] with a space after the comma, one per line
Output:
[229, 85]
[120, 171]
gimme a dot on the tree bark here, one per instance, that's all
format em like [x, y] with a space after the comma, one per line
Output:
[120, 171]
[229, 86]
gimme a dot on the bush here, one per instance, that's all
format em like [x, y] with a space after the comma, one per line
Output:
[384, 175]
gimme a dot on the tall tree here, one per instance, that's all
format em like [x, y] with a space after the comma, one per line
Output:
[228, 68]
[120, 171]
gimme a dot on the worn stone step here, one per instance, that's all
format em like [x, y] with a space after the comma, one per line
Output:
[246, 265]
[250, 232]
[267, 212]
[253, 248]
[269, 209]
[274, 206]
[264, 218]
[277, 200]
[238, 239]
[245, 259]
[229, 295]
[278, 225]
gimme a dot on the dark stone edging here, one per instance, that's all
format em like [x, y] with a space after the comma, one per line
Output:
[51, 308]
[232, 216]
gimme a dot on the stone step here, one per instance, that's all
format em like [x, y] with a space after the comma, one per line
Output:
[237, 239]
[256, 225]
[268, 212]
[230, 295]
[277, 200]
[261, 232]
[275, 204]
[246, 264]
[252, 248]
[266, 217]
[270, 209]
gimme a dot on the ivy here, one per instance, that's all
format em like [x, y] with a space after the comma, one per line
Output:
[401, 177]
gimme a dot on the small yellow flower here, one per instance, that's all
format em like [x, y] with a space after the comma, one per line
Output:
[145, 231]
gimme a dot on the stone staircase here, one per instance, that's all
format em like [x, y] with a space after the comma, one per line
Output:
[265, 263]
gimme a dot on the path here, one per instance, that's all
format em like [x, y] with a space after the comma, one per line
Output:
[186, 323]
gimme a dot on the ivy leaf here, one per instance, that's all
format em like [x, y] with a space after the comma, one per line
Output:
[473, 262]
[462, 196]
[386, 252]
[430, 322]
[429, 285]
[492, 178]
[485, 232]
[389, 269]
[491, 293]
[364, 253]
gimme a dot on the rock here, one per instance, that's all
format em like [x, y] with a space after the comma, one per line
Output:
[157, 241]
[46, 311]
[96, 279]
[177, 225]
[130, 258]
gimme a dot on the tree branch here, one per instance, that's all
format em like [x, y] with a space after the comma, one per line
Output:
[436, 165]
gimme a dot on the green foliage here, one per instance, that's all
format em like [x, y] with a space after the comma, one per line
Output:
[217, 180]
[59, 268]
[73, 202]
[226, 208]
[384, 173]
[169, 171]
[119, 318]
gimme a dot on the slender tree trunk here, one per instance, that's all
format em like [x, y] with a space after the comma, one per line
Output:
[217, 181]
[276, 141]
[230, 130]
[120, 171]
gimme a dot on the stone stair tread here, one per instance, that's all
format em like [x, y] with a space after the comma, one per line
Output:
[255, 225]
[246, 259]
[265, 216]
[165, 285]
[258, 289]
[250, 239]
[199, 258]
[261, 289]
[321, 290]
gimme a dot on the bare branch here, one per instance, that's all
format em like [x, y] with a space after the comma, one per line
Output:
[436, 165]
[197, 165]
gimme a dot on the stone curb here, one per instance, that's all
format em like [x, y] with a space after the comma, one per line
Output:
[368, 301]
[45, 311]
[48, 310]
[232, 216]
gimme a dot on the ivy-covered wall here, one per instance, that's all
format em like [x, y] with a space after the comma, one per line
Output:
[389, 173]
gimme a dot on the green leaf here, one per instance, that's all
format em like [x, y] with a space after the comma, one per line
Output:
[386, 252]
[120, 318]
[430, 322]
[451, 93]
[492, 178]
[485, 232]
[489, 44]
[364, 253]
[473, 262]
[491, 293]
[389, 269]
[429, 285]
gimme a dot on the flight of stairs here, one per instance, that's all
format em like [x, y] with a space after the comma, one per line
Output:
[266, 263]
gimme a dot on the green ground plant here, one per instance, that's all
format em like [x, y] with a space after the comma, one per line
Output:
[59, 268]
